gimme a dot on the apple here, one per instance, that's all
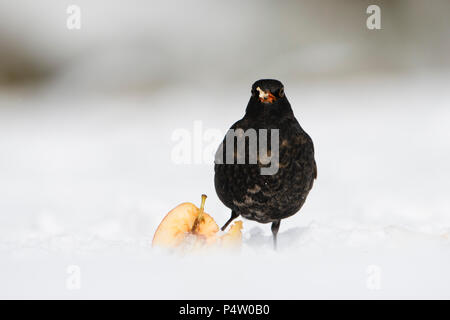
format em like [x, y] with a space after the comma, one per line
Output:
[186, 225]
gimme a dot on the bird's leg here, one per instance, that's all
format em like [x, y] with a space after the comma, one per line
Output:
[234, 215]
[275, 227]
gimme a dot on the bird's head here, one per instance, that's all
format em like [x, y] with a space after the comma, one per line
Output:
[267, 91]
[268, 100]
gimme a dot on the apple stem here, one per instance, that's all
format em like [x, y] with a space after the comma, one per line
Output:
[200, 214]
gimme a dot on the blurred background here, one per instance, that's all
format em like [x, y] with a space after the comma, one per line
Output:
[149, 45]
[87, 118]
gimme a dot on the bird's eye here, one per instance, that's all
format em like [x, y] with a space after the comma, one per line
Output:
[281, 93]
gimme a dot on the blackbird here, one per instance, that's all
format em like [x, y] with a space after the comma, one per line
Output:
[241, 184]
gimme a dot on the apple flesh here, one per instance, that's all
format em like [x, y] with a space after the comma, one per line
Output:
[233, 238]
[187, 225]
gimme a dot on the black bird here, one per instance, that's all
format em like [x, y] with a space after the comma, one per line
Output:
[242, 187]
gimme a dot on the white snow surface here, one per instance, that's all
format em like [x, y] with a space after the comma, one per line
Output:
[85, 181]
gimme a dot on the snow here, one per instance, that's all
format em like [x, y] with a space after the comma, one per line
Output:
[86, 179]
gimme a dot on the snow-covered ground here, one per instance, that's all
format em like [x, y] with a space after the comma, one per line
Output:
[86, 179]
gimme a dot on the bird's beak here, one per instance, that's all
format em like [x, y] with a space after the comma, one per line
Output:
[265, 96]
